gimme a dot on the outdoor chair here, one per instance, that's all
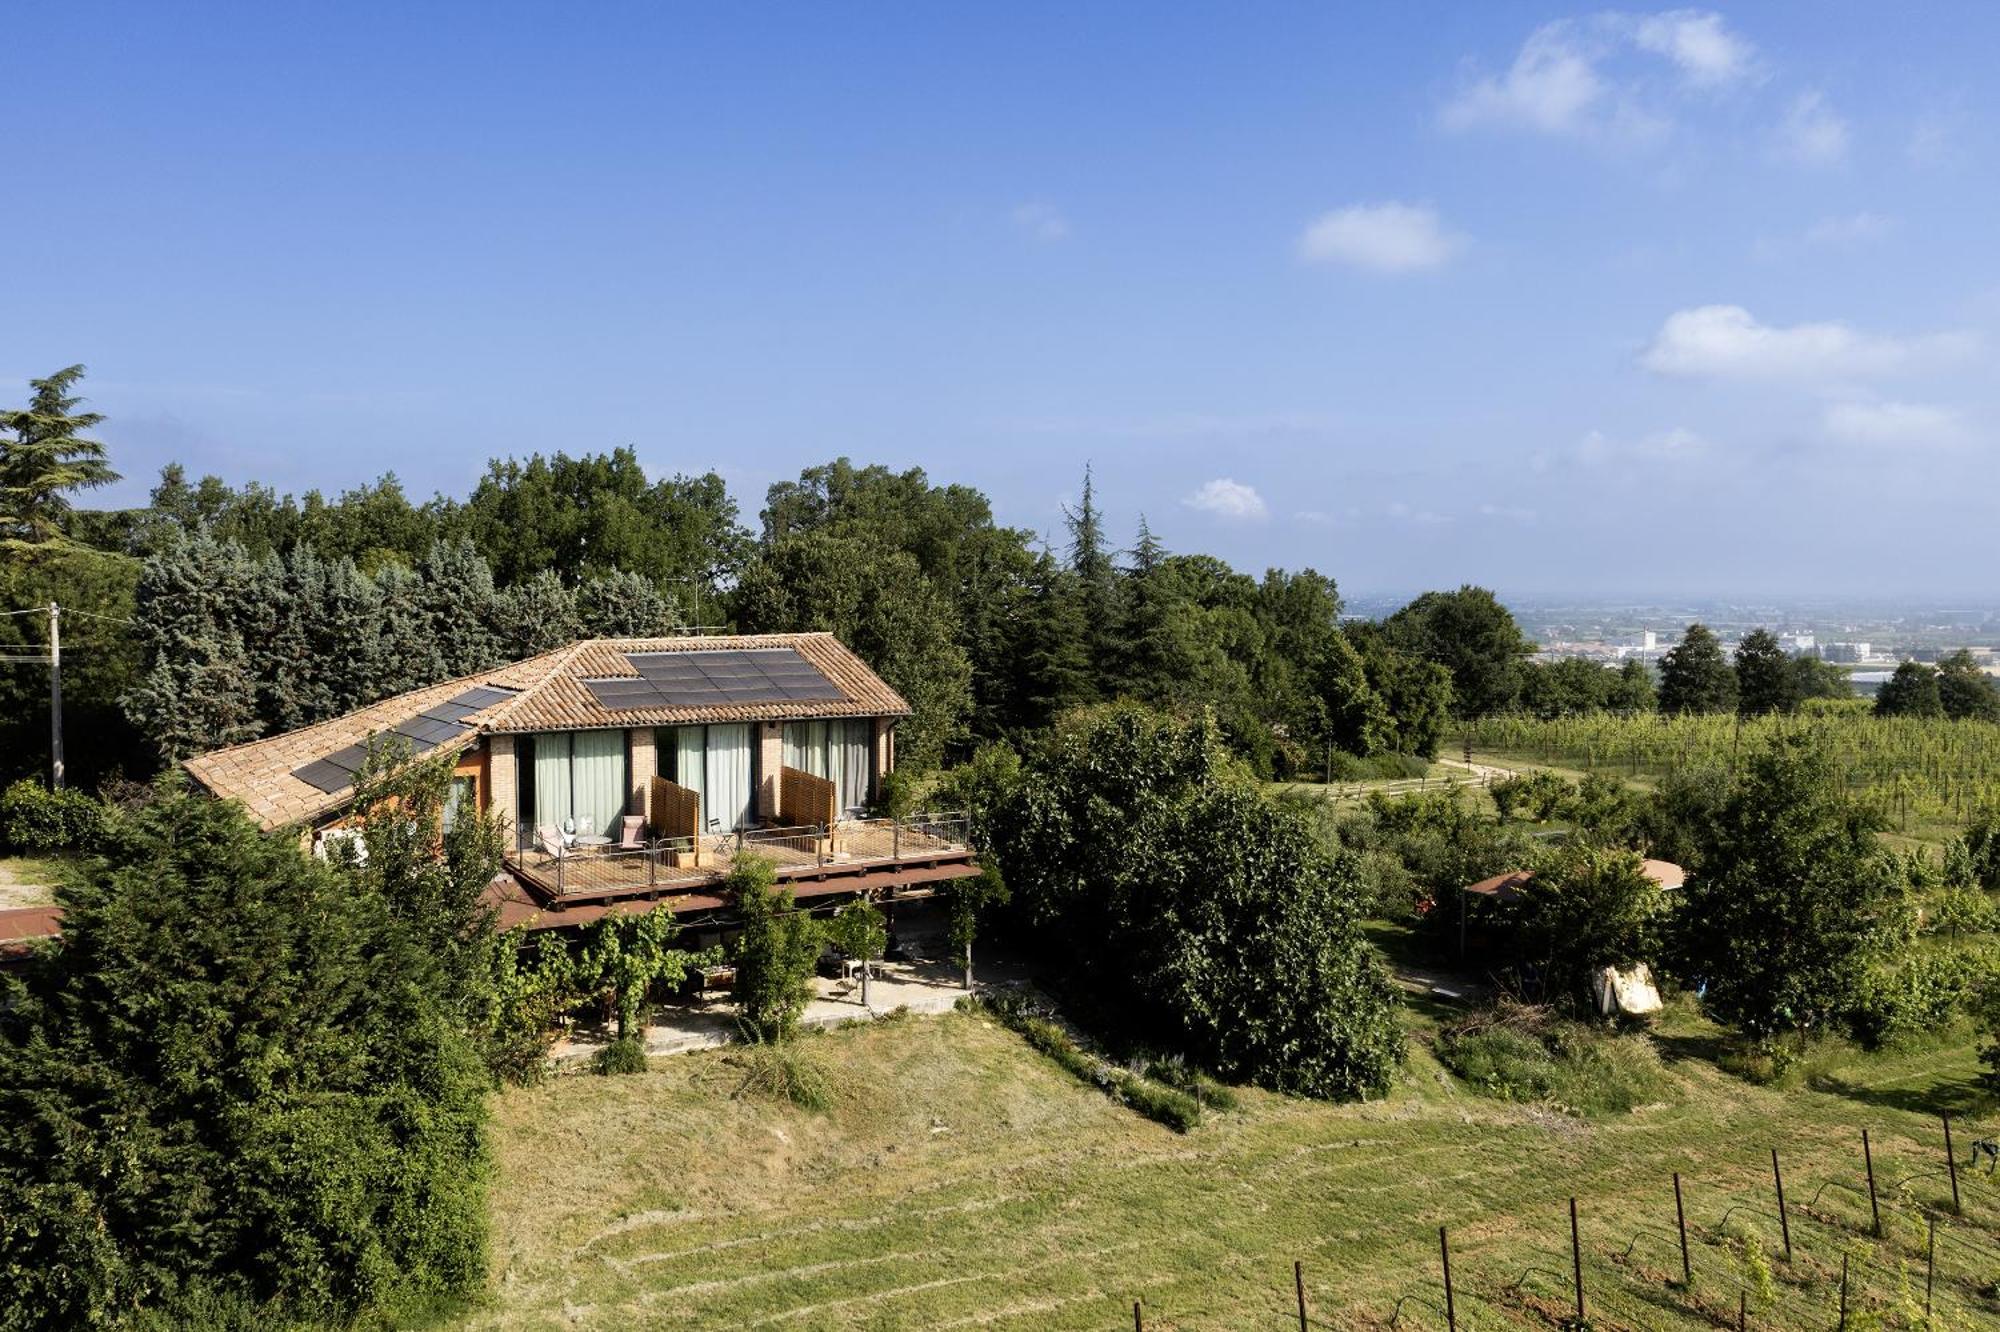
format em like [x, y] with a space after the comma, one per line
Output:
[632, 833]
[550, 841]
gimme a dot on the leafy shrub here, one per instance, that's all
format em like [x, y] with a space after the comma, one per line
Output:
[1530, 795]
[775, 954]
[37, 821]
[1521, 1053]
[1919, 994]
[1192, 913]
[785, 1071]
[627, 1054]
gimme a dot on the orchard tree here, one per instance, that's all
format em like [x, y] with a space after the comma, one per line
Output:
[1695, 676]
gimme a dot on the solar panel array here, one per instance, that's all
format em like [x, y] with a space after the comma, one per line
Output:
[716, 678]
[426, 731]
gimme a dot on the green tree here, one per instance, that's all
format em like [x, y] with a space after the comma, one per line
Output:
[877, 601]
[776, 952]
[1567, 687]
[198, 688]
[968, 901]
[1813, 678]
[1913, 691]
[537, 614]
[1097, 575]
[1779, 920]
[1633, 690]
[625, 955]
[1415, 693]
[1472, 636]
[44, 458]
[623, 605]
[101, 661]
[1695, 676]
[455, 595]
[237, 1082]
[1188, 912]
[1585, 907]
[858, 930]
[1765, 681]
[1965, 690]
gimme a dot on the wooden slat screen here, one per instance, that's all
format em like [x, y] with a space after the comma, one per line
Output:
[806, 799]
[673, 810]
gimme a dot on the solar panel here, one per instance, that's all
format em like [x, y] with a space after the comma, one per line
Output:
[425, 731]
[328, 777]
[734, 675]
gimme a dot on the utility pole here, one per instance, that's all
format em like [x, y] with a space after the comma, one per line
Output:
[55, 697]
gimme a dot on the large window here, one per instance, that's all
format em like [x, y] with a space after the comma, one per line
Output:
[578, 782]
[718, 764]
[836, 750]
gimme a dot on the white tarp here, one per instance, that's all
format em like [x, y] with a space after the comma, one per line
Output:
[1630, 991]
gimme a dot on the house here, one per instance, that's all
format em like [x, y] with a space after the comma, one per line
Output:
[629, 772]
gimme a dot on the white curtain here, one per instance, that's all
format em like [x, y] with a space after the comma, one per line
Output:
[855, 765]
[690, 762]
[552, 789]
[728, 778]
[598, 780]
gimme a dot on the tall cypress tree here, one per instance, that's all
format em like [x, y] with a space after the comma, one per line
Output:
[407, 654]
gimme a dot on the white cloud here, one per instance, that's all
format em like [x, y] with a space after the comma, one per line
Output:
[1404, 513]
[1727, 342]
[1578, 77]
[1384, 237]
[1700, 43]
[1043, 221]
[1510, 512]
[1228, 499]
[1677, 444]
[1314, 517]
[1846, 233]
[1812, 132]
[1551, 86]
[1892, 424]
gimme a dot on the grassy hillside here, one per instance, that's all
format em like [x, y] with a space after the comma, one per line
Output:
[963, 1181]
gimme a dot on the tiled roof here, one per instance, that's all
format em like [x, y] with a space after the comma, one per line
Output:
[550, 696]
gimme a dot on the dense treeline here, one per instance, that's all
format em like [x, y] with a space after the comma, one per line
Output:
[254, 612]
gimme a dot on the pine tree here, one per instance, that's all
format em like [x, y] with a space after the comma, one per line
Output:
[538, 615]
[1143, 647]
[343, 637]
[623, 605]
[1097, 578]
[198, 690]
[44, 456]
[406, 652]
[456, 597]
[1054, 656]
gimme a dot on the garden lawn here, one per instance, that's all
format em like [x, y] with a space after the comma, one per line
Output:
[964, 1181]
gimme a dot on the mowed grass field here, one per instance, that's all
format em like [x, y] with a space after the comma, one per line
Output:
[964, 1181]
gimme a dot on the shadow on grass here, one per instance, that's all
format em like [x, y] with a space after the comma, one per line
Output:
[1960, 1098]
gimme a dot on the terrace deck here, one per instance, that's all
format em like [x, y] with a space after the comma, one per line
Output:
[860, 847]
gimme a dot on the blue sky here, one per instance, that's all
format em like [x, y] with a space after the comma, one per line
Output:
[1563, 301]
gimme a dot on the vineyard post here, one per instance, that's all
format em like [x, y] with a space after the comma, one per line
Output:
[1576, 1261]
[1868, 1160]
[1843, 1290]
[1784, 1221]
[1930, 1268]
[1681, 1222]
[1138, 1323]
[1299, 1284]
[1951, 1164]
[1450, 1309]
